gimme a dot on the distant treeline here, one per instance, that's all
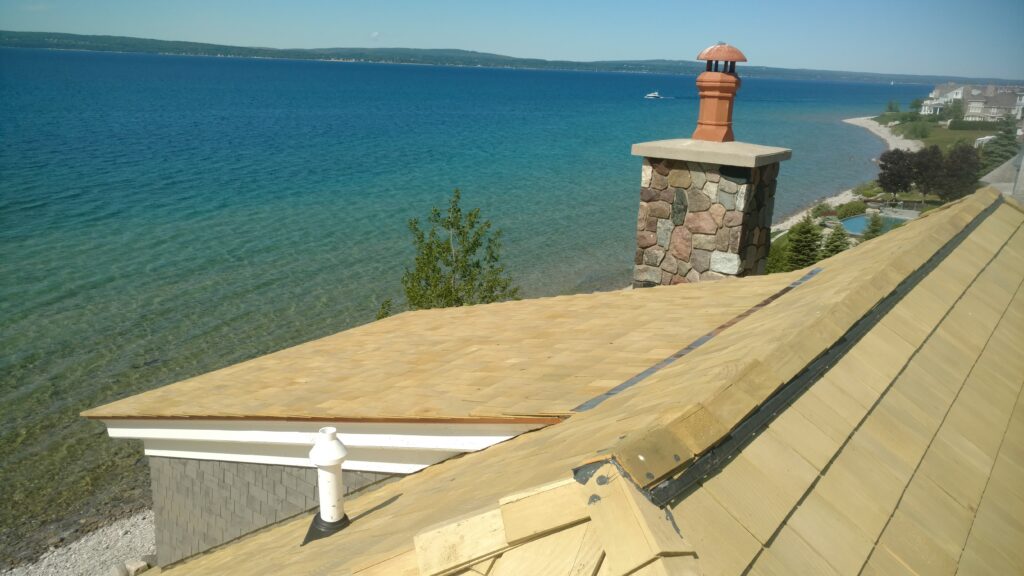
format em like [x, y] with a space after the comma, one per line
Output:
[437, 57]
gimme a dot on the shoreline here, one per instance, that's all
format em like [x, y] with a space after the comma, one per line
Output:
[892, 142]
[98, 552]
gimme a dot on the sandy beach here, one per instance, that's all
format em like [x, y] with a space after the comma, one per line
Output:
[892, 141]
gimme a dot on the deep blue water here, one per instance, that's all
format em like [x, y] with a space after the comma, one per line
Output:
[163, 216]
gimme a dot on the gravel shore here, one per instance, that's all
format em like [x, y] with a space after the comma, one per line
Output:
[96, 553]
[841, 198]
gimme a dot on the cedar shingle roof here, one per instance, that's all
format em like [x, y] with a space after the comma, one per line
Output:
[500, 362]
[867, 420]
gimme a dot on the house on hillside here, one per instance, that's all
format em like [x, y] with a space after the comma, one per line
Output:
[992, 108]
[948, 92]
[941, 97]
[932, 107]
[988, 103]
[862, 415]
[974, 106]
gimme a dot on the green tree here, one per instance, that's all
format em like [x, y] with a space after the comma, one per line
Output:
[896, 171]
[1003, 147]
[458, 261]
[962, 170]
[385, 309]
[916, 104]
[804, 244]
[928, 166]
[892, 106]
[874, 228]
[778, 256]
[953, 111]
[836, 242]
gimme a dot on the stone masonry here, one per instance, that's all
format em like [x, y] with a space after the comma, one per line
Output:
[701, 221]
[199, 504]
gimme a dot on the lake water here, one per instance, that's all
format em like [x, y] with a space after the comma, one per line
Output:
[164, 216]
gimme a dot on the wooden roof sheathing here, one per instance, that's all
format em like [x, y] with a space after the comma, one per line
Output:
[905, 455]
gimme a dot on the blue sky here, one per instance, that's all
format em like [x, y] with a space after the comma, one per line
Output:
[942, 37]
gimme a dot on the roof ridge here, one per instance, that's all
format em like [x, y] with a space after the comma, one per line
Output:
[704, 424]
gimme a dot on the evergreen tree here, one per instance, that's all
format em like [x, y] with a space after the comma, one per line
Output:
[1000, 149]
[896, 171]
[450, 269]
[892, 106]
[804, 244]
[778, 258]
[874, 228]
[836, 242]
[962, 170]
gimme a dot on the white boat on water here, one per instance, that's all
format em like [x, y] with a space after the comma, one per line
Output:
[654, 96]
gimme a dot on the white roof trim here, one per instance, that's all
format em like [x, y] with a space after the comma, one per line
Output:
[397, 448]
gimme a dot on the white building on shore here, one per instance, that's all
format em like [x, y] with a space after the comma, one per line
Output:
[988, 103]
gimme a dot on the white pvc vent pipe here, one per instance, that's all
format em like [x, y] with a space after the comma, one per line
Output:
[327, 455]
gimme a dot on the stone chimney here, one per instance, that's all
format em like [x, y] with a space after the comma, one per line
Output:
[706, 202]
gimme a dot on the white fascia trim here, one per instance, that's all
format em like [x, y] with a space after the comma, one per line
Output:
[365, 459]
[399, 448]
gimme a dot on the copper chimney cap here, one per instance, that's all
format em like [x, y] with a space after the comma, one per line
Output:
[722, 52]
[717, 85]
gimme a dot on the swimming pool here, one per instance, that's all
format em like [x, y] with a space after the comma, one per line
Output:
[857, 224]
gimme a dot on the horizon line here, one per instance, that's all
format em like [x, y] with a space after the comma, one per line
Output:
[521, 58]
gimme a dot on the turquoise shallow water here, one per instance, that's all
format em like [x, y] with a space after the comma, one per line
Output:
[164, 216]
[856, 225]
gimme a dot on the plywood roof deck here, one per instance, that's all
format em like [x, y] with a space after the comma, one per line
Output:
[922, 411]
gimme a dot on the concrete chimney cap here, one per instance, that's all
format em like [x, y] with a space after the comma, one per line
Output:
[722, 52]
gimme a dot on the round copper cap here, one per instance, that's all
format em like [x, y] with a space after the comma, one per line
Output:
[722, 52]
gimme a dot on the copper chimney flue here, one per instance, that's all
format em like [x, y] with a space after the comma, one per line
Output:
[717, 85]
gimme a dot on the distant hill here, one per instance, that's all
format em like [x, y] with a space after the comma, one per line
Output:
[438, 57]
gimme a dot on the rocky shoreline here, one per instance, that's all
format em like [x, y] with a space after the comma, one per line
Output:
[104, 551]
